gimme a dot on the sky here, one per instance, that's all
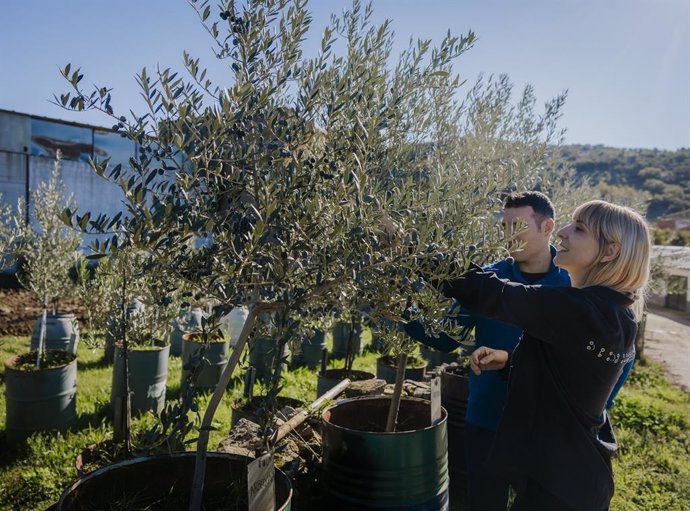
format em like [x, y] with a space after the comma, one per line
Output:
[624, 63]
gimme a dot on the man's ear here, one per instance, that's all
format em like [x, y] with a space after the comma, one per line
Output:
[613, 250]
[548, 225]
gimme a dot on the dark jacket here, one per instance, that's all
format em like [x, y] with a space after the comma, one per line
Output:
[487, 391]
[554, 428]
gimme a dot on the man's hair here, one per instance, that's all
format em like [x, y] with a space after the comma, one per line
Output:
[540, 203]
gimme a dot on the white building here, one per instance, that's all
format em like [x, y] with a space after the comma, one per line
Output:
[676, 264]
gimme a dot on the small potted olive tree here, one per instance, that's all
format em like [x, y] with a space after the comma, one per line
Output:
[41, 384]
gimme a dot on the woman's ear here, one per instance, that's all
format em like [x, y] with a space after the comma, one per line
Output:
[613, 250]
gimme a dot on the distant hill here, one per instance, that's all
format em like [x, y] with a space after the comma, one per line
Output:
[665, 175]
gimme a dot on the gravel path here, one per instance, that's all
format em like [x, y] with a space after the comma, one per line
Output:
[667, 340]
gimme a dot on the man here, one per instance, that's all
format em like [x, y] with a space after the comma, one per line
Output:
[531, 264]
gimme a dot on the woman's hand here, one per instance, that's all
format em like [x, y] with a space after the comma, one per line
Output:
[488, 359]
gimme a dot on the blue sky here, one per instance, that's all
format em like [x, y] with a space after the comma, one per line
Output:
[625, 63]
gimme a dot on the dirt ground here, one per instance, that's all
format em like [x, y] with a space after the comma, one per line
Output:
[667, 340]
[19, 310]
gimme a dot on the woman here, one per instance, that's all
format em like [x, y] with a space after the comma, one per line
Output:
[554, 441]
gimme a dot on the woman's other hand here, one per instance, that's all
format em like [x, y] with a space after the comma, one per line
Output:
[488, 359]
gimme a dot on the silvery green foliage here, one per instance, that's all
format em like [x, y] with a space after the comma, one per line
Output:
[46, 245]
[351, 180]
[128, 277]
[8, 235]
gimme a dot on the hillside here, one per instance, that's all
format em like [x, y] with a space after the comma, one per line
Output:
[664, 175]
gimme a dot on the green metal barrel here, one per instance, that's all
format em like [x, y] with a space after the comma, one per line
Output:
[311, 350]
[212, 366]
[188, 321]
[341, 335]
[39, 400]
[62, 333]
[148, 375]
[164, 482]
[263, 356]
[365, 468]
[386, 367]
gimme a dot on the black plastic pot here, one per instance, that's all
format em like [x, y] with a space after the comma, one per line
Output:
[365, 468]
[455, 389]
[164, 482]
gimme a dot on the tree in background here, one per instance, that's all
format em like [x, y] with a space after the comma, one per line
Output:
[46, 247]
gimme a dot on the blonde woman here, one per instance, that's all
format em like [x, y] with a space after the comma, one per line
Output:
[554, 441]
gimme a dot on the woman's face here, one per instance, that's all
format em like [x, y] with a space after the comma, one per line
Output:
[578, 248]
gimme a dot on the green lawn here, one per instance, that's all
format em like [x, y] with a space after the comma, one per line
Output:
[652, 421]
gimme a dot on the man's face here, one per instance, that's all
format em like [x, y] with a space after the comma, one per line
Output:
[532, 237]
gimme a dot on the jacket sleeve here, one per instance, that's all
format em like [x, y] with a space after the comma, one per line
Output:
[442, 341]
[621, 380]
[557, 315]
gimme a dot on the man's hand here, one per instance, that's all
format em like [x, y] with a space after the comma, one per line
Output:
[488, 359]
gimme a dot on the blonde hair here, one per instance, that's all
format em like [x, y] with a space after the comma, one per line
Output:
[628, 273]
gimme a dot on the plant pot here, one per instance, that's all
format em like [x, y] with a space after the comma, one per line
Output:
[263, 356]
[148, 374]
[435, 358]
[62, 333]
[341, 336]
[311, 350]
[455, 390]
[40, 400]
[365, 468]
[378, 343]
[332, 377]
[232, 323]
[164, 482]
[248, 410]
[212, 366]
[386, 368]
[188, 321]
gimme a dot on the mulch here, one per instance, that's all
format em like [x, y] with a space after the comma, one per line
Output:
[19, 310]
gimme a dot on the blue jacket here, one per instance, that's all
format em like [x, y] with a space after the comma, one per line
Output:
[488, 391]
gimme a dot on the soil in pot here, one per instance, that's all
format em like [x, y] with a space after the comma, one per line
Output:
[49, 360]
[326, 381]
[254, 409]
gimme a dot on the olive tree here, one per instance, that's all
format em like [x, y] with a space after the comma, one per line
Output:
[303, 185]
[46, 247]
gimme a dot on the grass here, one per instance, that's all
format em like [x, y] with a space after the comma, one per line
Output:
[651, 418]
[652, 421]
